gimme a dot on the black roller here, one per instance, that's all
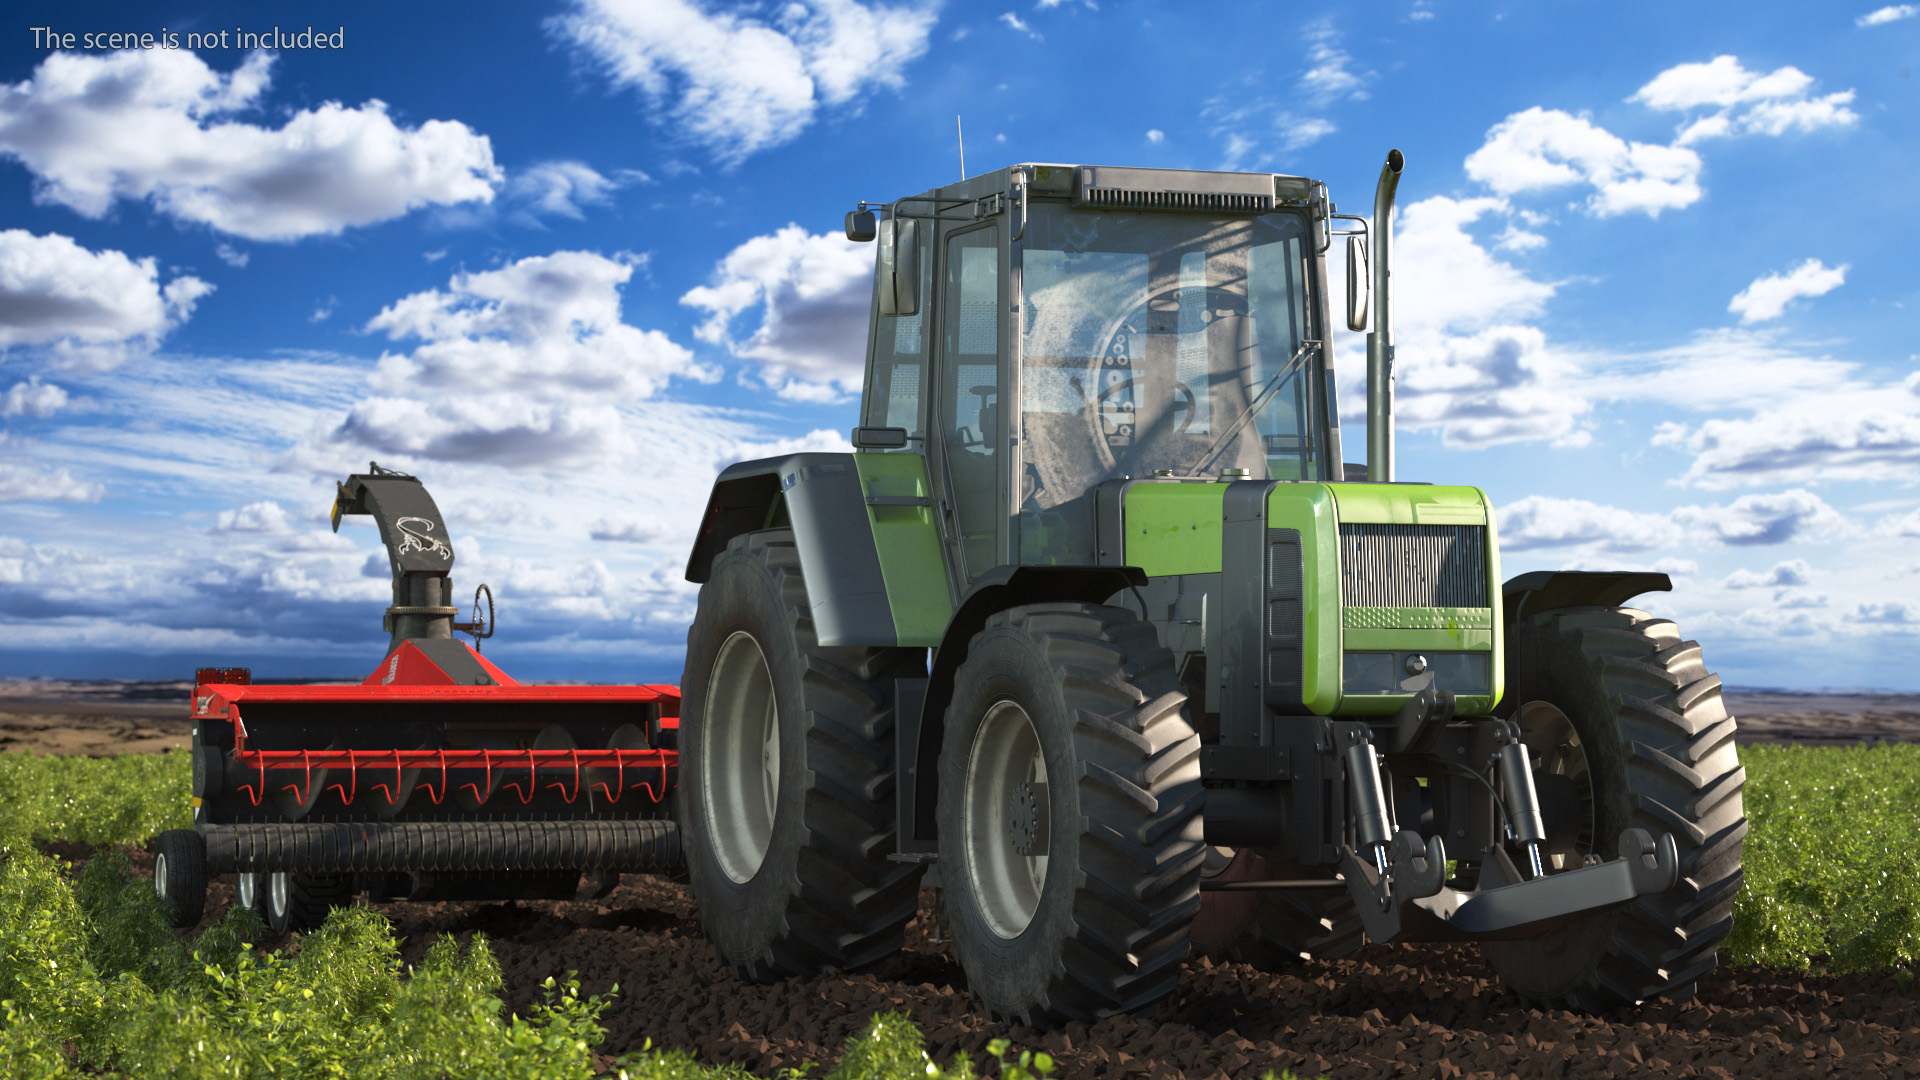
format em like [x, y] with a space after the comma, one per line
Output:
[345, 847]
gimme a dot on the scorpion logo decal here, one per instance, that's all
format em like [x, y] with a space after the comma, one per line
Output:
[414, 536]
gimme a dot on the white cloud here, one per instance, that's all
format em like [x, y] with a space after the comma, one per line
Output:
[265, 516]
[1742, 101]
[1019, 25]
[1541, 521]
[94, 307]
[1782, 574]
[628, 530]
[1328, 77]
[232, 256]
[1156, 136]
[1837, 428]
[813, 293]
[1767, 297]
[1766, 519]
[33, 398]
[1890, 13]
[531, 359]
[565, 188]
[738, 84]
[1907, 525]
[1540, 149]
[158, 125]
[323, 310]
[21, 482]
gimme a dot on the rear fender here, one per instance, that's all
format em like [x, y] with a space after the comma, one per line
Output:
[1544, 590]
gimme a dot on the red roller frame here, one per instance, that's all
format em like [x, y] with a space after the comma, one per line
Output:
[222, 700]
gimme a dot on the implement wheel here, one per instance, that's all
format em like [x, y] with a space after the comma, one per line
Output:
[1626, 729]
[180, 874]
[1069, 815]
[290, 901]
[786, 776]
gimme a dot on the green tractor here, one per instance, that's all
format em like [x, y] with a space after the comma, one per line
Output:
[1095, 631]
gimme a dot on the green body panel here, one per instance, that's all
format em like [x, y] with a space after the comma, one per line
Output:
[1423, 629]
[1174, 528]
[908, 543]
[1309, 508]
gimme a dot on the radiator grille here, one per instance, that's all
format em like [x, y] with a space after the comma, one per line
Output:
[1413, 566]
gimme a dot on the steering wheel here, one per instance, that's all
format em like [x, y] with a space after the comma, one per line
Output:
[1158, 313]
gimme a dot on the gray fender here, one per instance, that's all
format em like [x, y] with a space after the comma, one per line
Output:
[996, 590]
[821, 498]
[1546, 589]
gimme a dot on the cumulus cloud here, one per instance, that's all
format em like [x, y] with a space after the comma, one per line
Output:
[1791, 572]
[1767, 297]
[159, 125]
[1467, 363]
[736, 83]
[93, 307]
[1543, 521]
[528, 361]
[22, 482]
[813, 293]
[1723, 98]
[1540, 149]
[1890, 13]
[1765, 519]
[33, 398]
[627, 530]
[265, 516]
[1856, 434]
[565, 188]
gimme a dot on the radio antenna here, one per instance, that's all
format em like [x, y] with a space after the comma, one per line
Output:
[962, 136]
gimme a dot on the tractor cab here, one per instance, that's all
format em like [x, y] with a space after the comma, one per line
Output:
[1045, 329]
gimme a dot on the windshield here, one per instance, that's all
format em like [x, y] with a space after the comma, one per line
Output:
[1157, 342]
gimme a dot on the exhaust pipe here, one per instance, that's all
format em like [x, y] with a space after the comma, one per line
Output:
[1380, 341]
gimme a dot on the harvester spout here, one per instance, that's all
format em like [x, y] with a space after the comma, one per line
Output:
[417, 548]
[1380, 341]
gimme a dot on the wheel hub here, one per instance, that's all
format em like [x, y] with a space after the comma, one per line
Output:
[1023, 819]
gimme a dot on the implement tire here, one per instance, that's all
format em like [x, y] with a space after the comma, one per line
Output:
[1651, 746]
[1070, 815]
[787, 776]
[292, 901]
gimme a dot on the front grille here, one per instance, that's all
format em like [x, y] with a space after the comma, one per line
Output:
[1413, 566]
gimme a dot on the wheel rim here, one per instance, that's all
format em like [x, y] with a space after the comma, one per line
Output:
[740, 762]
[1006, 810]
[1550, 736]
[160, 874]
[277, 888]
[246, 889]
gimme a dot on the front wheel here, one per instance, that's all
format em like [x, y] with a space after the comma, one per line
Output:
[1069, 815]
[1625, 728]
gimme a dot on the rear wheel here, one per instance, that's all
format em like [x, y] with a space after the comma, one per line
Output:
[1627, 729]
[786, 775]
[1069, 815]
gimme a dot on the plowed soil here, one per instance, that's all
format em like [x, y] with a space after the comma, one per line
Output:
[1396, 1010]
[1393, 1010]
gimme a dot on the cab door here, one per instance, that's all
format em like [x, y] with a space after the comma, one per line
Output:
[969, 413]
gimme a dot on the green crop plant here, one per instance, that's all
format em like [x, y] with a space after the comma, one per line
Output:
[1829, 863]
[119, 800]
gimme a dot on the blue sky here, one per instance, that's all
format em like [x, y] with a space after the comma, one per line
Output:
[565, 260]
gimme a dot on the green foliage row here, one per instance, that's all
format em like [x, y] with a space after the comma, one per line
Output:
[121, 800]
[1830, 874]
[93, 981]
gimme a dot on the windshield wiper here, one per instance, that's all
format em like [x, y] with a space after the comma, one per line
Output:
[1307, 347]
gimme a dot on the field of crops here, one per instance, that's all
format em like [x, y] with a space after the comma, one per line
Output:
[92, 979]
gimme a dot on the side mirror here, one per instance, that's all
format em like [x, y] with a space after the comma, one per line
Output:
[879, 438]
[860, 226]
[899, 268]
[1357, 283]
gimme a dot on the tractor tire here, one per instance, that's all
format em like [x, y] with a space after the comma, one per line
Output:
[180, 874]
[1070, 899]
[787, 776]
[300, 902]
[1613, 701]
